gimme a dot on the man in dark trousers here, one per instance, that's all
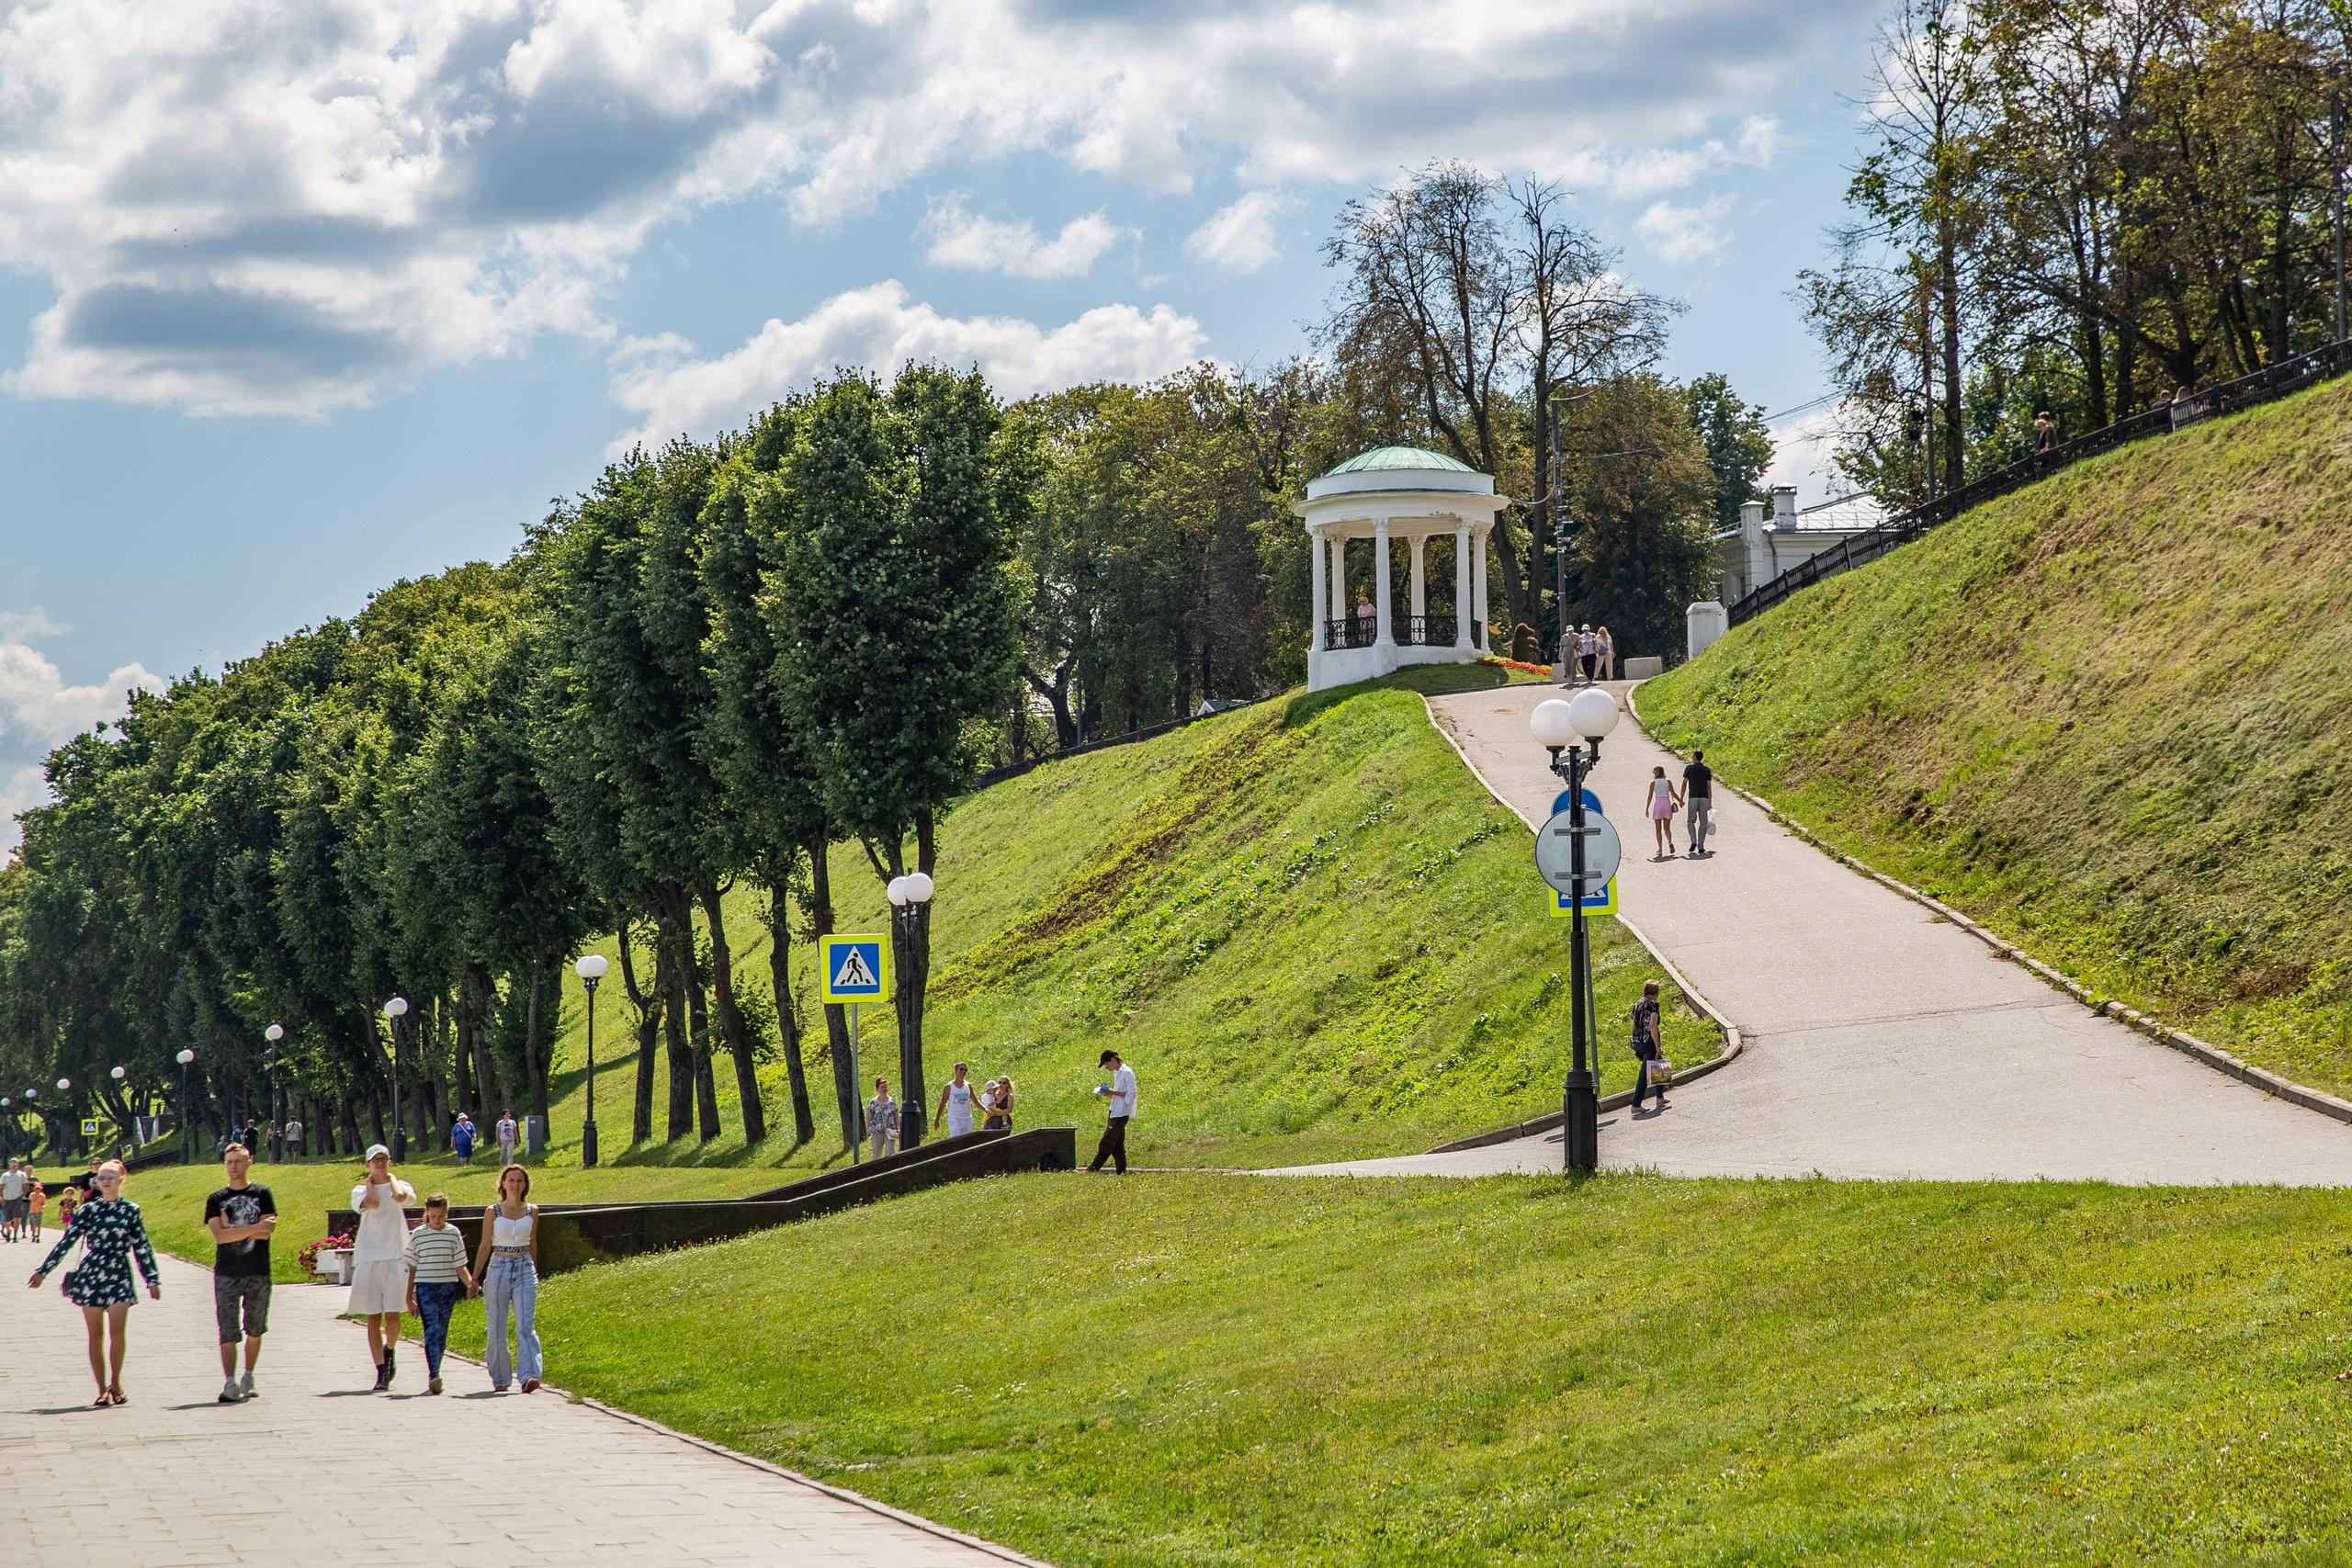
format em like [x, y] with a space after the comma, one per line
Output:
[1699, 797]
[1121, 1094]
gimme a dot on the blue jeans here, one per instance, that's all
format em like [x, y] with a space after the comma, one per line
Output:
[513, 1282]
[435, 1303]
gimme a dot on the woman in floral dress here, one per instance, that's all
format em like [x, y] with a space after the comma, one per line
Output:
[111, 1233]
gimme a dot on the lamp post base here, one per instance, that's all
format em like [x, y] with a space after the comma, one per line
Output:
[400, 1147]
[588, 1145]
[1580, 1122]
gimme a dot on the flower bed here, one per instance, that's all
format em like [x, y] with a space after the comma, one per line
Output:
[1518, 664]
[308, 1256]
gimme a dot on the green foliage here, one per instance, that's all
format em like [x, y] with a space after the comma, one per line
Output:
[1738, 447]
[2103, 716]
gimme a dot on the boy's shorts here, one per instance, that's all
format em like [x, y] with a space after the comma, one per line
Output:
[237, 1297]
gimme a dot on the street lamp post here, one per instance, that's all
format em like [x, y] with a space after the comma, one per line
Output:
[65, 1086]
[274, 1034]
[1591, 714]
[188, 1127]
[590, 969]
[119, 1074]
[393, 1011]
[908, 894]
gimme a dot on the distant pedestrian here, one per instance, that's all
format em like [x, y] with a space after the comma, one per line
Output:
[997, 1106]
[1650, 1045]
[507, 1138]
[2045, 432]
[1699, 799]
[461, 1139]
[112, 1233]
[293, 1138]
[16, 1186]
[38, 1201]
[1588, 651]
[1365, 614]
[881, 1121]
[437, 1274]
[1664, 799]
[241, 1217]
[507, 1263]
[1120, 1096]
[1606, 655]
[69, 1198]
[956, 1100]
[380, 1261]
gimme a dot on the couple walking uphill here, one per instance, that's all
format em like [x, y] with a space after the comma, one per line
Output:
[394, 1269]
[1695, 799]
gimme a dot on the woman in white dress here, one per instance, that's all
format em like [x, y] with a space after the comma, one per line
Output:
[380, 1259]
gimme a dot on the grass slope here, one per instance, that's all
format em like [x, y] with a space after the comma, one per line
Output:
[1227, 1369]
[2106, 715]
[1304, 923]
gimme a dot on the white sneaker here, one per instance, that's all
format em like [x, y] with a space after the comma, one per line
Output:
[245, 1389]
[228, 1394]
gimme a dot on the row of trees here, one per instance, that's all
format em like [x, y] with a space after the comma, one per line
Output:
[725, 655]
[2083, 206]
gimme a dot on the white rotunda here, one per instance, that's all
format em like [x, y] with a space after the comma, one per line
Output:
[1384, 495]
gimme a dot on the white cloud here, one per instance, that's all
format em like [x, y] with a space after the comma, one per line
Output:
[1804, 454]
[39, 710]
[1684, 234]
[877, 327]
[1241, 238]
[287, 206]
[963, 239]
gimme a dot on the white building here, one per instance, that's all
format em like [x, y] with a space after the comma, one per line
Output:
[1389, 494]
[1761, 549]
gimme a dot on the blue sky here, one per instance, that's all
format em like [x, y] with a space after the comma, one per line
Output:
[300, 298]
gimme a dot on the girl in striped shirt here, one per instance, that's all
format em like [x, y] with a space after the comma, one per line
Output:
[436, 1272]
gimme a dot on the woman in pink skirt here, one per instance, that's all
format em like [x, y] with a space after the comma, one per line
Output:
[1665, 801]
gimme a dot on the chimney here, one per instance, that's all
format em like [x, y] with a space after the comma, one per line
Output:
[1751, 519]
[1784, 506]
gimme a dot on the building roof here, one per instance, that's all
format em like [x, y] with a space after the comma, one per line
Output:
[1381, 458]
[1847, 511]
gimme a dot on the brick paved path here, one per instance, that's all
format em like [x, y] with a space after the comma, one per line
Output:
[174, 1478]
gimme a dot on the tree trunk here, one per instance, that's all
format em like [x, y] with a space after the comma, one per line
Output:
[669, 972]
[649, 1032]
[787, 1015]
[846, 1093]
[535, 1055]
[1955, 428]
[436, 1057]
[468, 1098]
[730, 1020]
[705, 1087]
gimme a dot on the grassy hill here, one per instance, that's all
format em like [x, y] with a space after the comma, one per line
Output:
[1304, 923]
[1227, 1369]
[2106, 714]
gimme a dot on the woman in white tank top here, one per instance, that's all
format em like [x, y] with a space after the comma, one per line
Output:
[507, 1265]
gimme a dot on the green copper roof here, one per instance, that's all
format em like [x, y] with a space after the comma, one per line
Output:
[1381, 458]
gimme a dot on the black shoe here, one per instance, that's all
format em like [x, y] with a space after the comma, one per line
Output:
[383, 1376]
[391, 1361]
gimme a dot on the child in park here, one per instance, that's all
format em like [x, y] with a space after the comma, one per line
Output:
[436, 1272]
[66, 1202]
[40, 1196]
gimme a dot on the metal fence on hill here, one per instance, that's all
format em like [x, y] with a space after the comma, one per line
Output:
[2272, 381]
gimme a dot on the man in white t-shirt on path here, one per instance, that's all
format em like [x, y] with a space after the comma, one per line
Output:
[15, 1190]
[1121, 1093]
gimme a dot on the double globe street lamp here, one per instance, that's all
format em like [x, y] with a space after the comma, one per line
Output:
[1558, 725]
[590, 969]
[274, 1034]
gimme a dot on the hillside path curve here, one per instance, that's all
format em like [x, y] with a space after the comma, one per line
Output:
[1881, 1041]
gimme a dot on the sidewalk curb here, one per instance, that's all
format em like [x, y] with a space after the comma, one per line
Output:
[2180, 1040]
[1734, 1042]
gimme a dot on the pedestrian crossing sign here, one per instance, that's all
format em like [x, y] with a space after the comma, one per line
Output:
[90, 1126]
[854, 968]
[1594, 903]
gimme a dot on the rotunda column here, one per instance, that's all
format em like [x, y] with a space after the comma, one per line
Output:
[1382, 618]
[1316, 567]
[1461, 585]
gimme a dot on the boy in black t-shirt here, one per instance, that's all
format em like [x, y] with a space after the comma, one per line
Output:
[1699, 797]
[241, 1217]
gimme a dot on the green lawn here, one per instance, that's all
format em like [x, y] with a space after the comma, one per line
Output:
[2106, 715]
[1304, 923]
[171, 1199]
[1203, 1369]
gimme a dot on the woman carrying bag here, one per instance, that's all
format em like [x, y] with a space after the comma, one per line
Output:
[1653, 1071]
[112, 1233]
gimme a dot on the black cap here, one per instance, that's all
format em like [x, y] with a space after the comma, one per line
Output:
[1108, 1058]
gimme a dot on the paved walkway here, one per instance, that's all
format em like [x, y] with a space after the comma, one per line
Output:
[320, 1469]
[1881, 1041]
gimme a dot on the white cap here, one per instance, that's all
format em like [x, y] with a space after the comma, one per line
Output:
[375, 1149]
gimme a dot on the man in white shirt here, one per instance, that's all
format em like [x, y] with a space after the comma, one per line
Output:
[14, 1188]
[1121, 1093]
